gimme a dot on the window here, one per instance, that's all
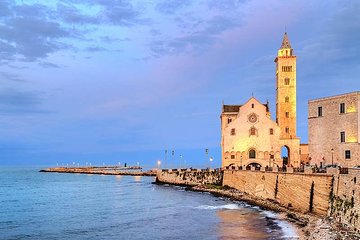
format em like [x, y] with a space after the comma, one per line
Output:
[287, 81]
[347, 154]
[320, 112]
[342, 137]
[287, 130]
[252, 105]
[286, 68]
[229, 120]
[287, 114]
[232, 156]
[271, 156]
[342, 107]
[252, 153]
[271, 131]
[233, 132]
[252, 131]
[286, 99]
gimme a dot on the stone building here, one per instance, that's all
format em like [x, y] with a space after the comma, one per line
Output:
[334, 130]
[248, 134]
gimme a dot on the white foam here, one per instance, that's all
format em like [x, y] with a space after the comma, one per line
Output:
[226, 206]
[287, 229]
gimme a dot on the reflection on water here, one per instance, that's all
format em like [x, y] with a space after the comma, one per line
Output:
[137, 178]
[249, 223]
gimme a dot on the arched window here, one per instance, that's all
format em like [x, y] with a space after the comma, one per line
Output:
[252, 131]
[252, 153]
[229, 120]
[286, 99]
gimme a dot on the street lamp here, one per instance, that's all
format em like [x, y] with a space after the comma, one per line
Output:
[241, 162]
[181, 162]
[332, 156]
[211, 159]
[158, 164]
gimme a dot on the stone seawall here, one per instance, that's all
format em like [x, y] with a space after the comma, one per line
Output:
[301, 192]
[190, 177]
[345, 200]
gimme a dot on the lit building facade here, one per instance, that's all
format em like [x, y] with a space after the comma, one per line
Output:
[248, 134]
[334, 130]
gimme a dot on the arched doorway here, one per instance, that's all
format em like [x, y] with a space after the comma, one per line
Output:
[253, 164]
[285, 155]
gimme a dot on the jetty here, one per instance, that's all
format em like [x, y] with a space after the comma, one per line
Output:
[105, 170]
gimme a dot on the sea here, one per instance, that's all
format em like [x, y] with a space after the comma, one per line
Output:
[35, 205]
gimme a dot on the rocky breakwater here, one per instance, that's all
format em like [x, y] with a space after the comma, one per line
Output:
[132, 171]
[190, 177]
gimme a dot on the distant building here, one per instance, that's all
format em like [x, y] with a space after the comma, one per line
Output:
[250, 137]
[334, 130]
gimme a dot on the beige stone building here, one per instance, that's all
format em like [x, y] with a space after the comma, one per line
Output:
[248, 134]
[334, 130]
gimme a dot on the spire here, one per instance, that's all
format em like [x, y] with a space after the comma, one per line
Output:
[285, 42]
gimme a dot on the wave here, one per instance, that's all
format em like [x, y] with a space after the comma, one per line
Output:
[226, 206]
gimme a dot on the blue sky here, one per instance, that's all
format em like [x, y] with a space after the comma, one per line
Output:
[120, 81]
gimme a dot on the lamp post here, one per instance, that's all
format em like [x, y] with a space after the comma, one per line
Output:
[206, 153]
[211, 159]
[332, 156]
[158, 164]
[241, 162]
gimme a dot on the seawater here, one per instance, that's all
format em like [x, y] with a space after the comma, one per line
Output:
[36, 205]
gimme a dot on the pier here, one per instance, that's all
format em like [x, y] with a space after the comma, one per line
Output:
[106, 170]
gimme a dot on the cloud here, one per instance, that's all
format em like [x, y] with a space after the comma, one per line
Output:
[20, 102]
[171, 6]
[204, 35]
[29, 35]
[11, 77]
[71, 14]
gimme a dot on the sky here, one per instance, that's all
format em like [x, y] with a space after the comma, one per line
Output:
[108, 82]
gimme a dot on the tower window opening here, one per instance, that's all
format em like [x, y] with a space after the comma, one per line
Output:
[232, 156]
[287, 81]
[287, 114]
[233, 132]
[286, 99]
[252, 105]
[252, 154]
[287, 130]
[229, 120]
[271, 131]
[286, 68]
[342, 108]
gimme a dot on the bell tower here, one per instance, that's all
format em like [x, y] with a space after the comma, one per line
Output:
[286, 90]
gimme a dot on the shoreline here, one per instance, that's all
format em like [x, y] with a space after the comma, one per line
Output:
[307, 226]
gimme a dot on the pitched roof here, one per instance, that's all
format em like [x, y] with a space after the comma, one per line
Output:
[231, 108]
[235, 108]
[285, 42]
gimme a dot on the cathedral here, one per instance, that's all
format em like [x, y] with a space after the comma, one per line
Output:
[249, 137]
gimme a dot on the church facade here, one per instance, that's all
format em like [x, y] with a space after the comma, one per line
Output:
[249, 137]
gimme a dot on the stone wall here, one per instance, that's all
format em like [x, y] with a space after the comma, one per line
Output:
[345, 200]
[190, 177]
[302, 192]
